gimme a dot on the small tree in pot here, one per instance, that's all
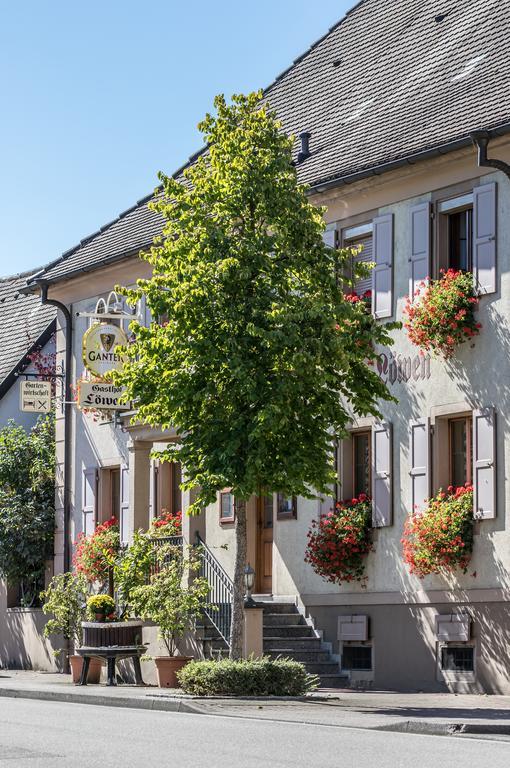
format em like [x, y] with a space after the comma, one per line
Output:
[65, 598]
[173, 599]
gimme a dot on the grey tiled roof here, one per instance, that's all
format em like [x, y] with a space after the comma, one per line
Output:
[393, 79]
[23, 321]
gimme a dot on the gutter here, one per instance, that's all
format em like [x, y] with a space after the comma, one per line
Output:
[43, 285]
[437, 151]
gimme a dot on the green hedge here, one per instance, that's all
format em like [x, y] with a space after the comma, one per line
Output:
[251, 677]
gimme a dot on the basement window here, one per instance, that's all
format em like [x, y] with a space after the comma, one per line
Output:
[358, 657]
[459, 658]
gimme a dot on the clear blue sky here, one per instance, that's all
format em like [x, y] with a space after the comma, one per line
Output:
[96, 97]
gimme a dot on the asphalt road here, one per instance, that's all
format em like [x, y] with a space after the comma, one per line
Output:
[39, 734]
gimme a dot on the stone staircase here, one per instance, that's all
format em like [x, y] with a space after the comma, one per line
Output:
[287, 634]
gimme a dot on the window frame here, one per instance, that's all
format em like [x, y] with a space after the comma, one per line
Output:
[468, 420]
[356, 646]
[231, 518]
[354, 436]
[445, 202]
[285, 514]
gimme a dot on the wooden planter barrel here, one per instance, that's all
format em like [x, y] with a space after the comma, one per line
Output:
[98, 634]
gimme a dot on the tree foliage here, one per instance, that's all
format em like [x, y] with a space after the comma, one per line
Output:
[27, 502]
[260, 352]
[260, 357]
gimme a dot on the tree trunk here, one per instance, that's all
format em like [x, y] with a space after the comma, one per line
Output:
[237, 625]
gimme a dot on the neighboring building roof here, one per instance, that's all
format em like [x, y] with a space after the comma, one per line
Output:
[390, 83]
[25, 324]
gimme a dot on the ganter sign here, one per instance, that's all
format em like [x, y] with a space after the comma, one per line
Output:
[101, 396]
[100, 348]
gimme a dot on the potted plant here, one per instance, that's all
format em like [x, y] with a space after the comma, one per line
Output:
[441, 314]
[339, 542]
[65, 599]
[101, 608]
[173, 599]
[439, 539]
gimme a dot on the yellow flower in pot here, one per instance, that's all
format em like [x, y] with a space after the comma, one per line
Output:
[101, 608]
[173, 599]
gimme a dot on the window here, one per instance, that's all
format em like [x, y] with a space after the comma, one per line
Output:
[458, 658]
[267, 511]
[226, 507]
[286, 507]
[360, 237]
[456, 233]
[361, 463]
[357, 657]
[460, 235]
[176, 480]
[461, 452]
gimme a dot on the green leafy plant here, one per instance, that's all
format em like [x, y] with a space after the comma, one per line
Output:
[137, 562]
[440, 539]
[27, 504]
[174, 597]
[101, 605]
[249, 677]
[339, 542]
[261, 359]
[65, 598]
[95, 555]
[442, 315]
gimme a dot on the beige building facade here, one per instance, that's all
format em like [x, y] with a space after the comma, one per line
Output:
[389, 152]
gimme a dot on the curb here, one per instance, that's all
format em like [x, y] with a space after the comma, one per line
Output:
[159, 702]
[128, 702]
[425, 727]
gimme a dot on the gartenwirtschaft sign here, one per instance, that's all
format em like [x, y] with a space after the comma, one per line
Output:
[100, 348]
[400, 368]
[100, 395]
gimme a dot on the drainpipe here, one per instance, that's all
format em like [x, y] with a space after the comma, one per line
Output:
[43, 285]
[481, 141]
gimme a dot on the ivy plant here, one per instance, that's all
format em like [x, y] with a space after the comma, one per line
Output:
[27, 504]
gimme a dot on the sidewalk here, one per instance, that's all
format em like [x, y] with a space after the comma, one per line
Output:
[440, 714]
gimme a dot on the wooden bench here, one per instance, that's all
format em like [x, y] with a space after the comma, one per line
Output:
[112, 654]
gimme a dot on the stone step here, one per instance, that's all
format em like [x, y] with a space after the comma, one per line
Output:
[287, 646]
[303, 656]
[334, 681]
[270, 607]
[322, 668]
[297, 631]
[283, 619]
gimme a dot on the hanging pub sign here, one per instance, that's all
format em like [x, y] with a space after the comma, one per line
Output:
[100, 396]
[100, 348]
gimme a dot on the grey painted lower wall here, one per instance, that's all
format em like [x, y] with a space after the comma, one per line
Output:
[406, 649]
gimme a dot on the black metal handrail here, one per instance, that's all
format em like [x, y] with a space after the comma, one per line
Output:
[218, 607]
[159, 543]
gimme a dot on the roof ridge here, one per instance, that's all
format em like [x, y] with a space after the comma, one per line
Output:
[19, 275]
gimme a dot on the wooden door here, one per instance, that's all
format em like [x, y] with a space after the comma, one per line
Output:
[265, 517]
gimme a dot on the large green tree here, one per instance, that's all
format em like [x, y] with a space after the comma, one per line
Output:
[27, 504]
[260, 355]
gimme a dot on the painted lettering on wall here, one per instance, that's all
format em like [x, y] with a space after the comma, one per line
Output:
[393, 368]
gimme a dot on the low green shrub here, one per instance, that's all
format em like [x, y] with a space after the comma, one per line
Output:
[250, 677]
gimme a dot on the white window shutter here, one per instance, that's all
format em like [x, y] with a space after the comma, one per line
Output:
[420, 464]
[382, 274]
[89, 497]
[484, 237]
[382, 502]
[329, 235]
[124, 504]
[419, 258]
[484, 463]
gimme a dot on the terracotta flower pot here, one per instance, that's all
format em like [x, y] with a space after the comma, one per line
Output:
[94, 675]
[167, 667]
